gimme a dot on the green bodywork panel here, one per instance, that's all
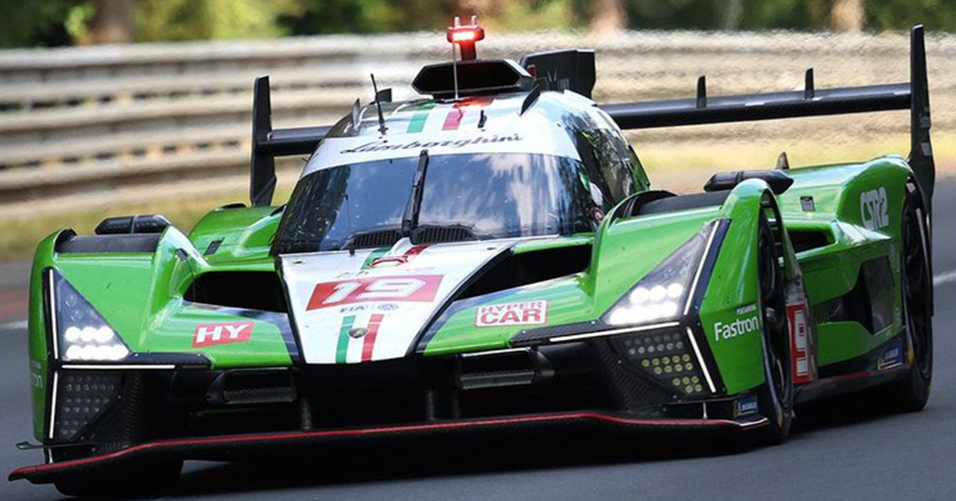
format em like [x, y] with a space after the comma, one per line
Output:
[832, 271]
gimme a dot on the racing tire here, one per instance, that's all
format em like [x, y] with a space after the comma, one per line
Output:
[912, 393]
[775, 397]
[156, 477]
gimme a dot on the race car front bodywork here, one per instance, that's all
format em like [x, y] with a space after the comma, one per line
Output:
[148, 300]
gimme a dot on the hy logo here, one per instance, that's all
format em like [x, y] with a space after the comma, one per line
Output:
[212, 334]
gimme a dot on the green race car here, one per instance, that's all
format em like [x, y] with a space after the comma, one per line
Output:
[489, 258]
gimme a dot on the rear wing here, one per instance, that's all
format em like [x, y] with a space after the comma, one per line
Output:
[267, 144]
[702, 109]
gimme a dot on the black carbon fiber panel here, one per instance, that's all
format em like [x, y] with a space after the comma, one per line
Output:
[534, 336]
[630, 389]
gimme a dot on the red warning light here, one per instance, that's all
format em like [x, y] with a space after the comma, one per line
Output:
[465, 34]
[465, 37]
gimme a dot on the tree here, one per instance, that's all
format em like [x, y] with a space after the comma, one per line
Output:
[112, 22]
[177, 20]
[608, 17]
[732, 15]
[848, 16]
[26, 23]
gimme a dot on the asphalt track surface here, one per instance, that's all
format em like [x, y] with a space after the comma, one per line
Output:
[847, 452]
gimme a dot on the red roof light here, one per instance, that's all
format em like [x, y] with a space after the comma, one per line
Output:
[466, 34]
[465, 37]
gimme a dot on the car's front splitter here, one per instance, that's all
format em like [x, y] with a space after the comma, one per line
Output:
[233, 447]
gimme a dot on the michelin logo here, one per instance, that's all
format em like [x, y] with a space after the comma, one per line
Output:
[746, 406]
[892, 356]
[738, 327]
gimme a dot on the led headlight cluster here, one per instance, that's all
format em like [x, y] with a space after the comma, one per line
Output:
[649, 304]
[663, 293]
[83, 335]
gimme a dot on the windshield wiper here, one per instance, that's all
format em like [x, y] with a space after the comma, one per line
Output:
[410, 218]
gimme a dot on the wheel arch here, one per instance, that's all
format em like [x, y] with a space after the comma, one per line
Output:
[730, 302]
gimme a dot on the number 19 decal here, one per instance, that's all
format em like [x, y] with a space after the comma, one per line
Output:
[416, 288]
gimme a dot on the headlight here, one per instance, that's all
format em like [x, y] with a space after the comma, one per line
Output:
[663, 293]
[82, 333]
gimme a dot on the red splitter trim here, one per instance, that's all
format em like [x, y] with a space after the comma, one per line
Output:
[26, 471]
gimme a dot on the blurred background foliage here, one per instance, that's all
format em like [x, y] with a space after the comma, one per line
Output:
[33, 23]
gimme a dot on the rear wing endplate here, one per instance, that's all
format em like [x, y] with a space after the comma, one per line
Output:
[809, 102]
[267, 144]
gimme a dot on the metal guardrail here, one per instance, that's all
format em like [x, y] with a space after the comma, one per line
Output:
[102, 117]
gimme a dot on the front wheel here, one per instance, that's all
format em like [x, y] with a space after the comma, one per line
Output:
[775, 398]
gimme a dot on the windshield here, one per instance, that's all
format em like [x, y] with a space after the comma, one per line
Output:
[491, 195]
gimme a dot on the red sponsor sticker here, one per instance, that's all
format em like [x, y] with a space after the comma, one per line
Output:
[415, 288]
[528, 313]
[211, 334]
[800, 343]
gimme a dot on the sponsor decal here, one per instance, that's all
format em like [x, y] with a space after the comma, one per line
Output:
[798, 319]
[527, 313]
[745, 406]
[386, 145]
[738, 327]
[359, 341]
[743, 310]
[212, 334]
[36, 374]
[806, 203]
[368, 307]
[892, 355]
[414, 288]
[532, 137]
[874, 210]
[802, 340]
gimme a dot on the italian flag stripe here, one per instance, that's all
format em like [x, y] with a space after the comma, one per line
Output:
[369, 344]
[417, 123]
[453, 119]
[375, 254]
[342, 349]
[457, 114]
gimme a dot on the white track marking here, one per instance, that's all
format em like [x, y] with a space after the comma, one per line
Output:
[945, 278]
[14, 326]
